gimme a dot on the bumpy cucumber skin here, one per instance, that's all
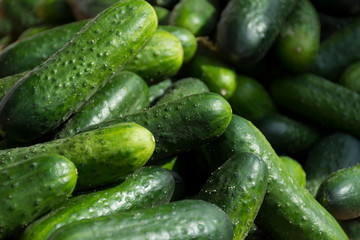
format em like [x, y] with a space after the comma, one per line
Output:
[146, 187]
[102, 156]
[187, 219]
[58, 87]
[299, 38]
[248, 28]
[182, 88]
[182, 124]
[162, 14]
[238, 187]
[331, 154]
[338, 51]
[199, 16]
[161, 58]
[339, 193]
[123, 94]
[295, 170]
[157, 90]
[28, 53]
[320, 100]
[31, 188]
[187, 39]
[7, 82]
[350, 77]
[288, 211]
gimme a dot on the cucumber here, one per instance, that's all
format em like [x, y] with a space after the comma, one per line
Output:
[33, 31]
[161, 58]
[101, 157]
[164, 3]
[188, 219]
[54, 11]
[123, 94]
[31, 188]
[157, 90]
[299, 39]
[322, 101]
[335, 152]
[330, 24]
[338, 7]
[187, 39]
[238, 187]
[339, 193]
[247, 29]
[5, 26]
[352, 228]
[338, 51]
[288, 136]
[198, 16]
[146, 187]
[288, 211]
[102, 49]
[5, 41]
[162, 14]
[295, 170]
[351, 77]
[250, 99]
[7, 82]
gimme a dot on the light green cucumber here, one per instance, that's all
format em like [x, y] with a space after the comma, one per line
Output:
[295, 170]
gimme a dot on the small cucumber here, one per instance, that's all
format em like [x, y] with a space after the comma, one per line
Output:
[238, 187]
[146, 187]
[102, 156]
[123, 94]
[157, 90]
[188, 219]
[339, 193]
[163, 15]
[351, 77]
[7, 82]
[295, 170]
[54, 11]
[31, 188]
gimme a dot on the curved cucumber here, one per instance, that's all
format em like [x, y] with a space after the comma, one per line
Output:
[7, 82]
[100, 48]
[295, 170]
[157, 90]
[123, 94]
[101, 156]
[31, 188]
[351, 77]
[238, 187]
[188, 219]
[146, 187]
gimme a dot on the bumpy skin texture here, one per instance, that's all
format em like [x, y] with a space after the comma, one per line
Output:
[183, 220]
[7, 82]
[102, 156]
[238, 187]
[248, 28]
[31, 188]
[146, 187]
[59, 86]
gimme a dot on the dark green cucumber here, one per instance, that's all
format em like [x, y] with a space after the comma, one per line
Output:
[146, 187]
[295, 170]
[102, 156]
[322, 101]
[7, 82]
[351, 77]
[188, 219]
[162, 14]
[157, 90]
[247, 28]
[198, 16]
[161, 58]
[338, 51]
[330, 24]
[123, 94]
[288, 211]
[5, 26]
[31, 188]
[250, 99]
[182, 124]
[335, 152]
[288, 136]
[33, 31]
[299, 39]
[352, 228]
[54, 11]
[5, 41]
[238, 187]
[182, 88]
[338, 7]
[57, 88]
[187, 39]
[339, 193]
[163, 3]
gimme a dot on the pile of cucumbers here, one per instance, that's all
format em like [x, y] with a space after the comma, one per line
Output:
[179, 119]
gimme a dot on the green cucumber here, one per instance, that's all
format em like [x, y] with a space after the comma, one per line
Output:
[162, 14]
[288, 136]
[247, 28]
[188, 219]
[5, 41]
[31, 188]
[33, 31]
[157, 90]
[351, 77]
[102, 156]
[82, 66]
[5, 26]
[198, 16]
[161, 58]
[146, 187]
[7, 82]
[295, 170]
[338, 7]
[335, 152]
[54, 11]
[123, 94]
[352, 228]
[187, 39]
[319, 100]
[250, 99]
[330, 24]
[288, 211]
[339, 193]
[238, 187]
[299, 39]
